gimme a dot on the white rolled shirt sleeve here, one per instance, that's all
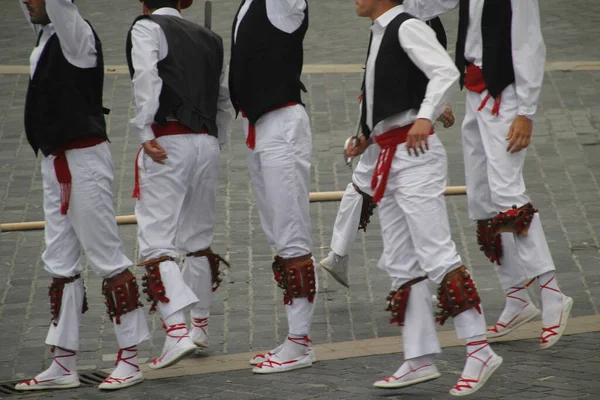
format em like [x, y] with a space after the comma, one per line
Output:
[420, 43]
[147, 85]
[529, 55]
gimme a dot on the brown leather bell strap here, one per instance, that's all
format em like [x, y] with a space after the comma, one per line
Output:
[55, 291]
[367, 209]
[456, 294]
[214, 261]
[121, 295]
[397, 301]
[296, 276]
[152, 281]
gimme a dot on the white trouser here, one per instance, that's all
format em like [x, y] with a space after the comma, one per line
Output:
[415, 228]
[280, 173]
[176, 213]
[348, 216]
[419, 335]
[89, 226]
[494, 179]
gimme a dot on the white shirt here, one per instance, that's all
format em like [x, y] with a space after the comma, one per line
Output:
[285, 15]
[149, 46]
[75, 35]
[528, 48]
[421, 45]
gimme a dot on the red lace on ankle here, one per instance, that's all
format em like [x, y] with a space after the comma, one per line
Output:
[465, 383]
[112, 379]
[55, 358]
[200, 323]
[412, 370]
[550, 331]
[512, 295]
[169, 331]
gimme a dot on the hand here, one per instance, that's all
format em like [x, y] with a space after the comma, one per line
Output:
[447, 118]
[519, 134]
[356, 147]
[155, 151]
[417, 136]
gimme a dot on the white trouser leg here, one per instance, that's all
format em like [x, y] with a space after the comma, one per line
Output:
[197, 274]
[168, 194]
[346, 221]
[419, 334]
[507, 187]
[348, 217]
[280, 165]
[470, 323]
[65, 333]
[417, 185]
[197, 221]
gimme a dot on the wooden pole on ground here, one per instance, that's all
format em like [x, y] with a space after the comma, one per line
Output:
[315, 197]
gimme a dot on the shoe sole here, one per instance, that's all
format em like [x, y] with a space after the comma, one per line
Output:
[277, 371]
[175, 360]
[561, 331]
[460, 394]
[314, 360]
[407, 384]
[335, 276]
[200, 344]
[121, 385]
[54, 387]
[517, 326]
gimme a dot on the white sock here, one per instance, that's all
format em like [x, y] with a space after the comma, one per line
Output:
[478, 353]
[64, 363]
[414, 364]
[127, 363]
[295, 346]
[178, 317]
[517, 298]
[552, 298]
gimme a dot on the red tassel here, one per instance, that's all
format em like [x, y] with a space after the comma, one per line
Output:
[63, 175]
[251, 139]
[496, 108]
[382, 170]
[136, 188]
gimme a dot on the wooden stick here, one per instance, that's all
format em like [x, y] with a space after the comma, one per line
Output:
[315, 197]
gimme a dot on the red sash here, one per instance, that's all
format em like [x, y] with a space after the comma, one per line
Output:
[251, 139]
[61, 167]
[475, 83]
[388, 142]
[171, 128]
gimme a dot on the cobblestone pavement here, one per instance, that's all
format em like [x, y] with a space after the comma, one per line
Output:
[561, 172]
[526, 374]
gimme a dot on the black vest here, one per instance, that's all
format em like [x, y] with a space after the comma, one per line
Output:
[266, 63]
[496, 26]
[64, 102]
[190, 72]
[399, 84]
[440, 32]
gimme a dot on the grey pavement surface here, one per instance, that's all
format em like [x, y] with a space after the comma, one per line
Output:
[567, 371]
[561, 173]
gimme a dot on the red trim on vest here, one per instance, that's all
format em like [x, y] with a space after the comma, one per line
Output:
[388, 142]
[475, 82]
[251, 139]
[61, 167]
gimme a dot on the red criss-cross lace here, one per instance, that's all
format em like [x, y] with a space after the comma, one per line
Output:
[200, 323]
[302, 341]
[273, 364]
[112, 379]
[170, 329]
[512, 295]
[388, 379]
[465, 383]
[67, 371]
[551, 330]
